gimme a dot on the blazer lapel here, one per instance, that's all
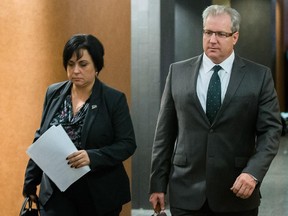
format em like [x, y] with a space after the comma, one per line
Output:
[95, 103]
[54, 105]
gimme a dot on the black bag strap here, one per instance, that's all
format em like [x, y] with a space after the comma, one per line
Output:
[29, 201]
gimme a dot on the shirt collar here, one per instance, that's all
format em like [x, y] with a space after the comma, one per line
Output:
[226, 64]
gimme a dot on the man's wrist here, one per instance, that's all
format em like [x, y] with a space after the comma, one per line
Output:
[255, 179]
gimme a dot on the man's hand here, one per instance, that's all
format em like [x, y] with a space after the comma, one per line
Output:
[244, 186]
[78, 159]
[158, 201]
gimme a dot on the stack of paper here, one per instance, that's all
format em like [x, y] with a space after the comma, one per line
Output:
[50, 151]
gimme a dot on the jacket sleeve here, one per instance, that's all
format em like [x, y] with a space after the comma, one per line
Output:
[164, 140]
[33, 173]
[268, 130]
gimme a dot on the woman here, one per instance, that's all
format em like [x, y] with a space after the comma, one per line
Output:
[96, 118]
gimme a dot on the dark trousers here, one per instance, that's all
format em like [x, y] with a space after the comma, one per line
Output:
[206, 211]
[75, 201]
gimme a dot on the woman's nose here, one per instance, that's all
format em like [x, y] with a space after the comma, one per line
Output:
[76, 69]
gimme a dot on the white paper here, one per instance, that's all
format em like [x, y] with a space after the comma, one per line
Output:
[50, 151]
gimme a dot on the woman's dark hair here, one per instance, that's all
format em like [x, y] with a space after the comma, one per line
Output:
[88, 42]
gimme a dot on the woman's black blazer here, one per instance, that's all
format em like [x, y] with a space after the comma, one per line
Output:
[108, 137]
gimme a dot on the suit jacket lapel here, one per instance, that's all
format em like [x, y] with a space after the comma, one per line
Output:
[237, 74]
[195, 72]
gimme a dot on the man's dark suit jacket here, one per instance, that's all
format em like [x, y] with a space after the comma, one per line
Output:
[200, 160]
[108, 137]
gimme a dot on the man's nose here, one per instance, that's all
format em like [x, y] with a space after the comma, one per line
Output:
[213, 38]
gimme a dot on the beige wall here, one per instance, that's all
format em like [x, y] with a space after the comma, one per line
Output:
[33, 34]
[280, 50]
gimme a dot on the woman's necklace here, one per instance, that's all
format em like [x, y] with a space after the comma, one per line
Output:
[79, 107]
[78, 101]
[77, 104]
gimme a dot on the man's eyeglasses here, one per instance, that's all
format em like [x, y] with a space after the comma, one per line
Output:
[219, 34]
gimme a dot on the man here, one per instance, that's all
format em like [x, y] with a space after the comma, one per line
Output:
[214, 158]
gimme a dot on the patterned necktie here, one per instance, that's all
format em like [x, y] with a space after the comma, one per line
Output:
[213, 101]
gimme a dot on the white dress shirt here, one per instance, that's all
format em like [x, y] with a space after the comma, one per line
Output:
[205, 73]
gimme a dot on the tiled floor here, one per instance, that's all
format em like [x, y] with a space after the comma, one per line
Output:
[274, 188]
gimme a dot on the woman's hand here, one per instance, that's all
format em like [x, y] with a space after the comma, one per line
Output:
[78, 159]
[33, 198]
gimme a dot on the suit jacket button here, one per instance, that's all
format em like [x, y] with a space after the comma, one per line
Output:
[211, 130]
